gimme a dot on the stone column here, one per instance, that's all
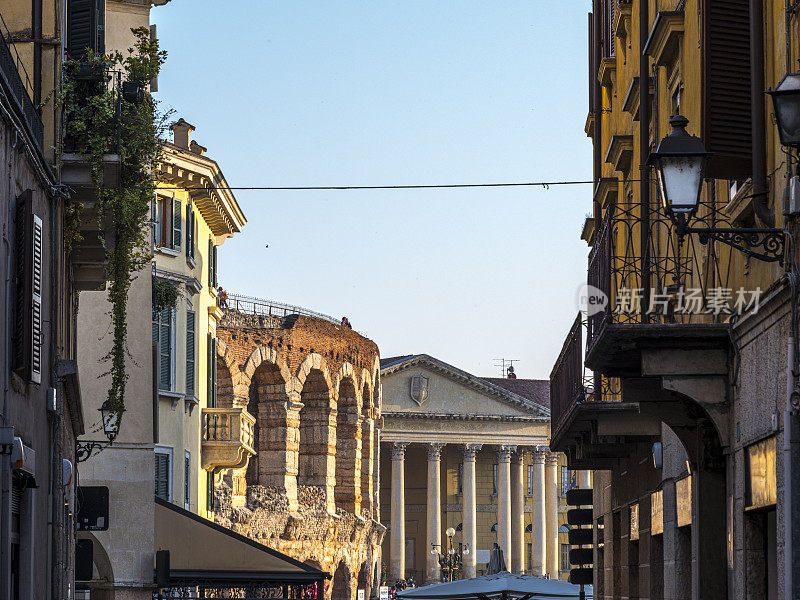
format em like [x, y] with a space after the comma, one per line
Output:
[517, 514]
[504, 502]
[469, 512]
[397, 560]
[434, 511]
[538, 525]
[551, 514]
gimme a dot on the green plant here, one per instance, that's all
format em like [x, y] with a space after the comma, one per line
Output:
[165, 294]
[98, 121]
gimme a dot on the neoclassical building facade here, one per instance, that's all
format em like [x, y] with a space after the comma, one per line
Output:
[471, 454]
[305, 484]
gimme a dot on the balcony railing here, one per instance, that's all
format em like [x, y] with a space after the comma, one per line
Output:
[227, 438]
[658, 277]
[566, 380]
[17, 84]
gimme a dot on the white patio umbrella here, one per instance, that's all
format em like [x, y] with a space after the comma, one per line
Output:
[500, 586]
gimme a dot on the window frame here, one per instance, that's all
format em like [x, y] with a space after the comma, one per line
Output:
[168, 452]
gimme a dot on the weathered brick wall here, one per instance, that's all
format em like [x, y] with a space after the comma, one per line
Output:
[313, 387]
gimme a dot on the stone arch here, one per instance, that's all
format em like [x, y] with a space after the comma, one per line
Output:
[341, 589]
[275, 432]
[314, 362]
[316, 441]
[348, 444]
[101, 565]
[367, 449]
[365, 579]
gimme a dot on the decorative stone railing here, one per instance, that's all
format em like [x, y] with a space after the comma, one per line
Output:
[227, 438]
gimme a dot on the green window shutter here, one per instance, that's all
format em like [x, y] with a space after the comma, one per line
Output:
[177, 219]
[85, 21]
[214, 263]
[162, 476]
[211, 263]
[190, 343]
[190, 229]
[187, 473]
[210, 491]
[165, 349]
[211, 399]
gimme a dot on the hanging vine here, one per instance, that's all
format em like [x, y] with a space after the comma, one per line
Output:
[99, 119]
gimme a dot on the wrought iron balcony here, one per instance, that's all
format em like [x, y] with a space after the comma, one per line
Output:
[659, 284]
[566, 380]
[227, 438]
[17, 86]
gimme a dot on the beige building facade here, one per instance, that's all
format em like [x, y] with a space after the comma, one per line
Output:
[471, 454]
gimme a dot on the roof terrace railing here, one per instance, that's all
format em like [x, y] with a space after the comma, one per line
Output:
[17, 84]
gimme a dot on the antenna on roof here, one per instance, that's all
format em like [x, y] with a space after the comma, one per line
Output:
[507, 366]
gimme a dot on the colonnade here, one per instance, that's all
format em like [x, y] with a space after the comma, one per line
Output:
[544, 557]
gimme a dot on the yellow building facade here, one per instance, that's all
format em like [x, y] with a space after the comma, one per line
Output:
[686, 393]
[194, 212]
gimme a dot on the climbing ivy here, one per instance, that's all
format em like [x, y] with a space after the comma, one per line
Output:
[97, 121]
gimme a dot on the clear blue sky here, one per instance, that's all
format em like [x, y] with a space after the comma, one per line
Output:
[300, 93]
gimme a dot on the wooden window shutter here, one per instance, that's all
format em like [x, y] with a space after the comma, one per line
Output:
[190, 343]
[162, 476]
[22, 347]
[190, 225]
[177, 220]
[210, 259]
[85, 27]
[726, 122]
[611, 14]
[187, 473]
[210, 491]
[164, 349]
[211, 399]
[36, 301]
[214, 263]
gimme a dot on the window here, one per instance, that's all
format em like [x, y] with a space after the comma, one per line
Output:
[211, 400]
[162, 232]
[565, 557]
[566, 481]
[167, 223]
[187, 480]
[85, 27]
[611, 5]
[530, 480]
[162, 338]
[461, 478]
[163, 475]
[28, 269]
[494, 478]
[190, 344]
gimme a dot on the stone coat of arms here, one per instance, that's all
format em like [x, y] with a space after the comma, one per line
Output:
[419, 389]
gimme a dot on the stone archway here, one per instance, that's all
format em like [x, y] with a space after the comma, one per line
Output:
[341, 589]
[348, 448]
[365, 580]
[274, 431]
[367, 449]
[316, 438]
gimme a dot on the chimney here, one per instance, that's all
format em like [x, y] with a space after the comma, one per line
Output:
[197, 148]
[180, 133]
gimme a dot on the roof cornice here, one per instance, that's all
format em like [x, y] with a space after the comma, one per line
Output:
[469, 380]
[206, 184]
[466, 417]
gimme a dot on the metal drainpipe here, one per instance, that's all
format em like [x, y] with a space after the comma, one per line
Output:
[644, 145]
[757, 114]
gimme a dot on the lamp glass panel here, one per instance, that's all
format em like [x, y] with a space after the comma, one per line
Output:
[110, 423]
[680, 178]
[787, 112]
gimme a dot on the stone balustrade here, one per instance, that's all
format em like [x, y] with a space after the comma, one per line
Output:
[227, 438]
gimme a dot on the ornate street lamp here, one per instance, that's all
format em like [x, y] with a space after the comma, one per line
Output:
[680, 161]
[450, 561]
[786, 102]
[111, 422]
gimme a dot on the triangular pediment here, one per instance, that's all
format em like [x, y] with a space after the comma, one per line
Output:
[449, 391]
